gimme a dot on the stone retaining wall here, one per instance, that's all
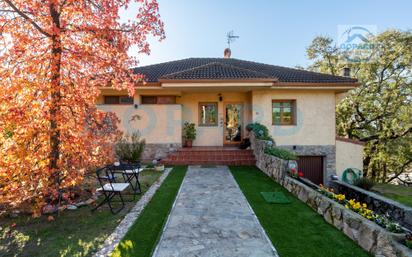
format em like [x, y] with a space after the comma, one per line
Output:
[158, 151]
[379, 204]
[365, 233]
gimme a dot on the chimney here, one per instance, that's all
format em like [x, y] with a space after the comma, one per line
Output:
[346, 72]
[227, 53]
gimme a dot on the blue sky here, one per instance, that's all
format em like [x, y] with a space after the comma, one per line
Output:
[274, 32]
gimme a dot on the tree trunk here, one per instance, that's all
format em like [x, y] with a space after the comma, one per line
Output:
[55, 96]
[368, 169]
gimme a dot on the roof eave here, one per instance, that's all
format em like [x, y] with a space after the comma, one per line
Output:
[312, 85]
[246, 80]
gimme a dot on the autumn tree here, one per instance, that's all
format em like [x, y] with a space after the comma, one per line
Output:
[54, 56]
[379, 112]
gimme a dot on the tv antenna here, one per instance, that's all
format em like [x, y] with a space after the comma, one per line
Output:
[231, 38]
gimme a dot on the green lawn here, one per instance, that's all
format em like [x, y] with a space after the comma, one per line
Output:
[399, 193]
[294, 229]
[142, 237]
[74, 233]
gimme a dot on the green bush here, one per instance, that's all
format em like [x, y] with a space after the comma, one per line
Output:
[364, 182]
[260, 131]
[130, 147]
[281, 153]
[189, 131]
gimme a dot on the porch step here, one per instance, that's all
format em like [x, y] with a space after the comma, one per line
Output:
[211, 156]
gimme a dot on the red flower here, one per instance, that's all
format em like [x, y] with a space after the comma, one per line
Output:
[300, 174]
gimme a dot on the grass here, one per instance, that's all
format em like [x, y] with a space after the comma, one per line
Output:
[294, 229]
[142, 237]
[74, 233]
[398, 193]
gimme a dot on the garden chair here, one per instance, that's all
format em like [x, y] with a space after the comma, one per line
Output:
[109, 188]
[129, 172]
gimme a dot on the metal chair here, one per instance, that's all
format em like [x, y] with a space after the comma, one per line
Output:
[110, 188]
[129, 172]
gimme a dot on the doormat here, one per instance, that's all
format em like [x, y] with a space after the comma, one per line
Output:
[275, 197]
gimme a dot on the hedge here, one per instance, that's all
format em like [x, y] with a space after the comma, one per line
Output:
[281, 153]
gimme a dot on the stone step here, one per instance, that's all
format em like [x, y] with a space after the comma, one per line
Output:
[210, 156]
[210, 162]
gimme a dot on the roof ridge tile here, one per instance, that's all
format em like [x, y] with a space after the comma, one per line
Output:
[259, 74]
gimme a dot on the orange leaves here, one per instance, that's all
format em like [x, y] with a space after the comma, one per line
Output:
[94, 52]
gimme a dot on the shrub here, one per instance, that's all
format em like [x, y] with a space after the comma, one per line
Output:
[280, 153]
[364, 182]
[130, 147]
[260, 131]
[189, 131]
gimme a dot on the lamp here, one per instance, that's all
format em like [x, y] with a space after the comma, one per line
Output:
[220, 97]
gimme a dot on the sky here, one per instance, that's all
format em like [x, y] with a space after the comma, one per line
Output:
[270, 31]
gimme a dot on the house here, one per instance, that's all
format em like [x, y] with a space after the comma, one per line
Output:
[222, 95]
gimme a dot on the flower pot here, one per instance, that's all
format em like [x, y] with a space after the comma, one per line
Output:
[189, 143]
[159, 168]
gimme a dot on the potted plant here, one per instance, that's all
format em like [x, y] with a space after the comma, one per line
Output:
[130, 148]
[189, 133]
[158, 166]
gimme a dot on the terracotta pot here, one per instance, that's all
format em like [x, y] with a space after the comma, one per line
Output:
[189, 143]
[160, 168]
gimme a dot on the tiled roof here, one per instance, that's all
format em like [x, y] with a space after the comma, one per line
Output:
[217, 70]
[232, 69]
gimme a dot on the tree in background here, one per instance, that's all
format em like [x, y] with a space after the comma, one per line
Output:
[54, 55]
[379, 111]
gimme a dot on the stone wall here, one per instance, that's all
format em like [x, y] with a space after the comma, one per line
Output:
[379, 204]
[158, 151]
[365, 233]
[262, 159]
[267, 163]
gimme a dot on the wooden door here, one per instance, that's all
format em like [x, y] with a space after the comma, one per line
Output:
[312, 168]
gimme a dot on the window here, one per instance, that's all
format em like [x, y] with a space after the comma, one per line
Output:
[283, 112]
[166, 99]
[207, 114]
[116, 99]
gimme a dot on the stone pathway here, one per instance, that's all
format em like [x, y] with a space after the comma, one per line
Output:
[211, 217]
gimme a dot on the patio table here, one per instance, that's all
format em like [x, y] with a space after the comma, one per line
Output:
[129, 173]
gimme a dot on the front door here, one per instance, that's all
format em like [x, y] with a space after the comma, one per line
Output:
[233, 124]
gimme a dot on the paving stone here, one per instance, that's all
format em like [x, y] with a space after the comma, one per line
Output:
[211, 217]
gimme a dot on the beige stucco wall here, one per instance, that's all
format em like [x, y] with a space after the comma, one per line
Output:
[162, 123]
[157, 124]
[211, 136]
[348, 155]
[315, 116]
